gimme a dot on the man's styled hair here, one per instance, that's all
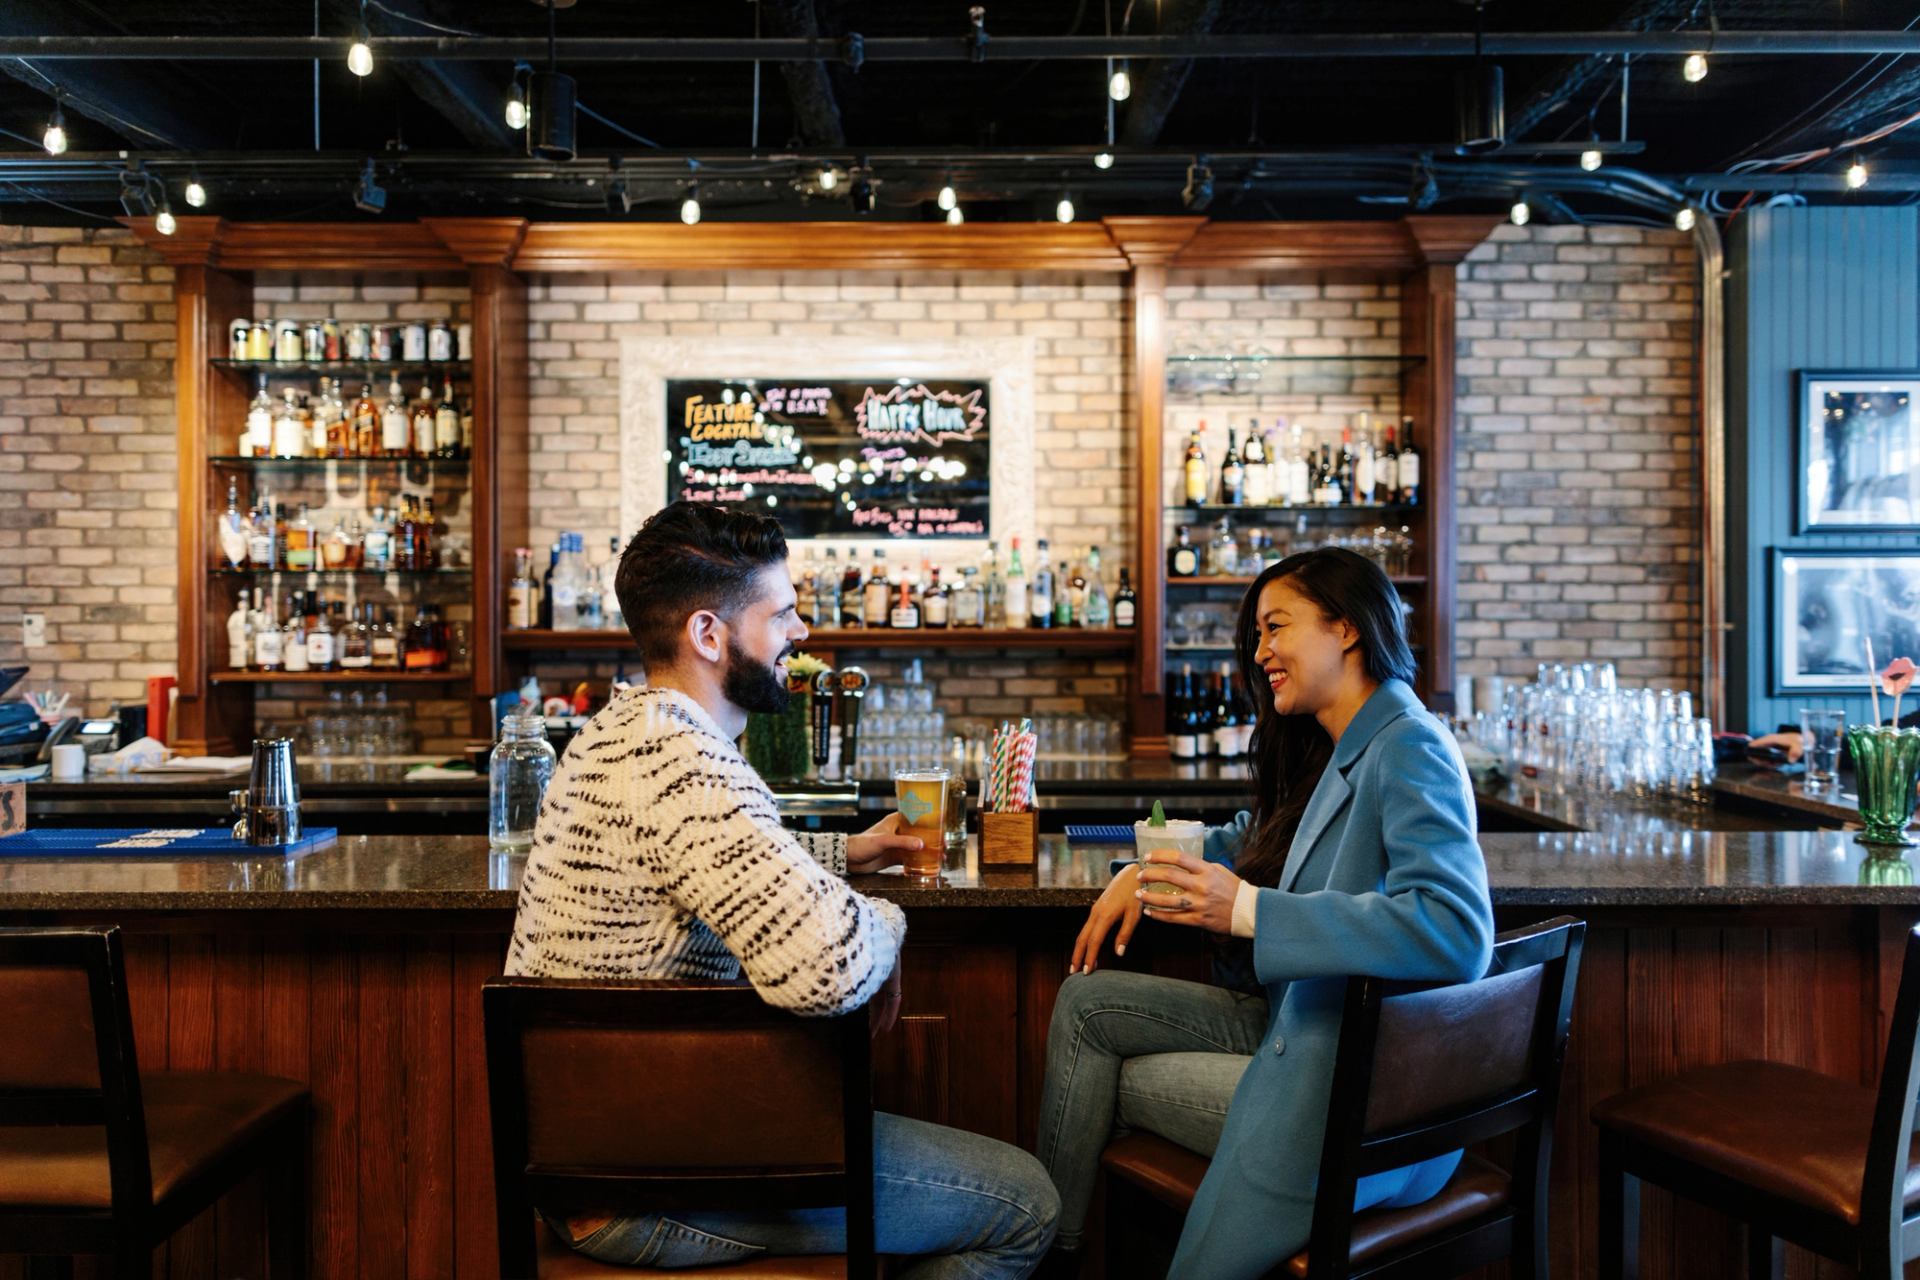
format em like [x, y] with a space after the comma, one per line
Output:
[687, 557]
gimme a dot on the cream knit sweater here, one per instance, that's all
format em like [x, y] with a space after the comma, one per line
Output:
[659, 854]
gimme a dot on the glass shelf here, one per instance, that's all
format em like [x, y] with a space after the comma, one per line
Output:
[1198, 374]
[452, 466]
[224, 572]
[344, 368]
[1261, 361]
[1215, 509]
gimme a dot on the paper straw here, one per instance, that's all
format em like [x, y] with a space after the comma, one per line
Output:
[1026, 747]
[1873, 682]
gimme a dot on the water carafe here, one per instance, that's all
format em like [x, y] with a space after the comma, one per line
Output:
[517, 776]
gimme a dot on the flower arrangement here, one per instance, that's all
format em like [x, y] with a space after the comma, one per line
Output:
[779, 744]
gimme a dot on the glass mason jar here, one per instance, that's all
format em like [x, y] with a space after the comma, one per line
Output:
[517, 775]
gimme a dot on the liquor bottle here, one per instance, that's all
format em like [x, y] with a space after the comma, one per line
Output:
[1409, 477]
[356, 543]
[877, 592]
[1098, 611]
[905, 613]
[1040, 594]
[853, 595]
[366, 424]
[300, 548]
[385, 642]
[446, 423]
[826, 592]
[1180, 739]
[1065, 612]
[1299, 469]
[401, 543]
[333, 548]
[1195, 474]
[1326, 485]
[1386, 469]
[1226, 725]
[421, 445]
[1348, 463]
[377, 547]
[1201, 716]
[260, 542]
[314, 411]
[1075, 595]
[566, 585]
[289, 432]
[1233, 476]
[1013, 609]
[1223, 552]
[258, 440]
[239, 634]
[546, 588]
[1126, 606]
[936, 605]
[416, 648]
[1258, 484]
[993, 590]
[1364, 473]
[268, 643]
[321, 650]
[969, 601]
[612, 616]
[521, 591]
[339, 428]
[232, 528]
[1182, 560]
[396, 432]
[356, 641]
[293, 637]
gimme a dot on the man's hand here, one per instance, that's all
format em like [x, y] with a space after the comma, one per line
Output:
[1789, 742]
[880, 845]
[884, 1009]
[1182, 889]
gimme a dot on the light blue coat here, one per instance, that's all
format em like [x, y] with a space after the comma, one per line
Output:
[1385, 878]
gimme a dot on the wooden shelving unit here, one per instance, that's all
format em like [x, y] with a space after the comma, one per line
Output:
[972, 639]
[1398, 580]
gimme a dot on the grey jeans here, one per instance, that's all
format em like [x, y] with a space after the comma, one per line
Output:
[1133, 1051]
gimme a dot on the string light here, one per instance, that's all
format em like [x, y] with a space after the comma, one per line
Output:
[163, 220]
[195, 195]
[690, 207]
[955, 217]
[1104, 160]
[1063, 212]
[1519, 214]
[516, 106]
[1590, 160]
[1684, 219]
[1694, 68]
[55, 138]
[360, 56]
[948, 199]
[1856, 175]
[1120, 84]
[828, 179]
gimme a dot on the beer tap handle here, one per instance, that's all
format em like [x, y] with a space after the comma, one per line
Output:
[853, 688]
[824, 688]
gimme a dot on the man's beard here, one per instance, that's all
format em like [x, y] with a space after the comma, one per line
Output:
[752, 685]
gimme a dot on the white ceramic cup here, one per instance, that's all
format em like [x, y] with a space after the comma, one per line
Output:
[69, 763]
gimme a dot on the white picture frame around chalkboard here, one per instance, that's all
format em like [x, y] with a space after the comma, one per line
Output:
[1828, 603]
[1006, 364]
[1859, 451]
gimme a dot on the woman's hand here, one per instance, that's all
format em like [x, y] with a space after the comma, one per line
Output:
[1789, 742]
[1117, 906]
[880, 845]
[1180, 888]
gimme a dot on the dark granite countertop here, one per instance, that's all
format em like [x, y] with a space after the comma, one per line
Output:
[1790, 793]
[1620, 867]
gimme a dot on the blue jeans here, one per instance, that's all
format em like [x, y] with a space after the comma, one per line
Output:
[1133, 1051]
[969, 1207]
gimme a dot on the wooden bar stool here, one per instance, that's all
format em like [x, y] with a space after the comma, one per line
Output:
[97, 1158]
[1795, 1155]
[1419, 1071]
[652, 1096]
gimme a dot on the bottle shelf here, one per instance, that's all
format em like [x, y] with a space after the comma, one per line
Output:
[337, 677]
[1066, 639]
[342, 368]
[1398, 580]
[1261, 360]
[451, 466]
[1356, 508]
[427, 574]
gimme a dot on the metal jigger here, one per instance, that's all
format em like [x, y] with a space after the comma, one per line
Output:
[825, 683]
[853, 687]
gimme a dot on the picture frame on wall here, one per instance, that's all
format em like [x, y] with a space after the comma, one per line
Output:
[1828, 604]
[1859, 451]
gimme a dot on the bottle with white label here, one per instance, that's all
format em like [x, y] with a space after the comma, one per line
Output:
[239, 634]
[1040, 593]
[1181, 742]
[321, 648]
[1014, 610]
[521, 590]
[1126, 604]
[267, 640]
[258, 440]
[233, 528]
[395, 425]
[1409, 465]
[1299, 470]
[260, 539]
[877, 593]
[566, 587]
[905, 613]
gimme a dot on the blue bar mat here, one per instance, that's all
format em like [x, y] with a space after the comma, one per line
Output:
[1100, 833]
[152, 842]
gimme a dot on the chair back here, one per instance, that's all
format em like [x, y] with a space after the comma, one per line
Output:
[655, 1096]
[69, 1059]
[1883, 1191]
[1422, 1070]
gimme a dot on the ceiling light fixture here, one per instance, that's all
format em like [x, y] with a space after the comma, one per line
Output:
[828, 178]
[1856, 175]
[1685, 218]
[1694, 68]
[1591, 159]
[1520, 214]
[517, 97]
[360, 56]
[55, 138]
[690, 207]
[955, 217]
[552, 99]
[1063, 212]
[1480, 98]
[948, 199]
[1104, 160]
[195, 194]
[163, 221]
[1119, 83]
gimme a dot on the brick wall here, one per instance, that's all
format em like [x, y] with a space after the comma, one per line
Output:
[1578, 479]
[87, 492]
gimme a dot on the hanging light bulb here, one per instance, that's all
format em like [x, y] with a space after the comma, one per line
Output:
[1104, 160]
[948, 200]
[55, 138]
[195, 194]
[516, 108]
[1590, 159]
[1694, 68]
[1684, 219]
[163, 220]
[1519, 214]
[955, 217]
[1856, 176]
[1120, 84]
[690, 207]
[1063, 212]
[829, 179]
[360, 56]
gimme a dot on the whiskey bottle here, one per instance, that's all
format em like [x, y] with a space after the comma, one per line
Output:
[1195, 475]
[233, 528]
[395, 429]
[935, 605]
[1409, 477]
[1258, 484]
[300, 548]
[905, 614]
[877, 592]
[1126, 606]
[356, 641]
[293, 637]
[239, 634]
[446, 423]
[385, 644]
[366, 424]
[423, 423]
[258, 440]
[1040, 593]
[1183, 561]
[267, 639]
[321, 649]
[289, 432]
[520, 591]
[1233, 476]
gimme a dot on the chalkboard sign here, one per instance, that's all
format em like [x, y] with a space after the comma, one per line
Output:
[852, 458]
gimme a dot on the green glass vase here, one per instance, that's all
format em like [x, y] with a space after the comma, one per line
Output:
[1880, 870]
[778, 743]
[1886, 762]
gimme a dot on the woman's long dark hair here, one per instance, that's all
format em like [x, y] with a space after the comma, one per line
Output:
[1290, 752]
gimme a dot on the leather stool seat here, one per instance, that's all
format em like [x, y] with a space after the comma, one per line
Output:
[1782, 1130]
[558, 1262]
[1172, 1174]
[194, 1120]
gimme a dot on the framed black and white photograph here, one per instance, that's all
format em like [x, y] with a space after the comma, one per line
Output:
[1828, 604]
[1859, 451]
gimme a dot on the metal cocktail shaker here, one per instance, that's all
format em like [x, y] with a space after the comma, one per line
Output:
[270, 806]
